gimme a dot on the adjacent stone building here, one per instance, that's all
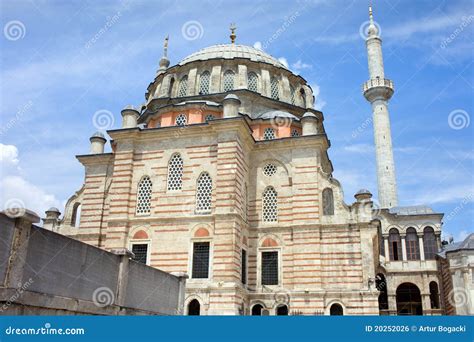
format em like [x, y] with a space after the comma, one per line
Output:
[224, 173]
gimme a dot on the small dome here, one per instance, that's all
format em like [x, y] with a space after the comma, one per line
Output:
[53, 209]
[363, 192]
[309, 115]
[372, 30]
[232, 97]
[231, 51]
[277, 114]
[98, 135]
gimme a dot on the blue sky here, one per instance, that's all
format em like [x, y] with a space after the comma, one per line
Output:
[62, 61]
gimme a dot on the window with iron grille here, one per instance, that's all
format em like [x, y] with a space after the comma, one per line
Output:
[252, 80]
[175, 172]
[275, 92]
[209, 117]
[228, 80]
[244, 266]
[292, 95]
[204, 82]
[181, 120]
[144, 196]
[200, 260]
[204, 193]
[395, 245]
[270, 205]
[295, 133]
[269, 268]
[140, 251]
[412, 245]
[429, 243]
[269, 169]
[268, 134]
[183, 87]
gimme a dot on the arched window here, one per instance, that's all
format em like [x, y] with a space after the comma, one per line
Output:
[275, 92]
[328, 202]
[252, 80]
[268, 134]
[183, 86]
[282, 310]
[381, 285]
[408, 300]
[257, 310]
[76, 215]
[204, 193]
[434, 295]
[303, 98]
[175, 172]
[170, 90]
[270, 205]
[181, 120]
[228, 80]
[394, 245]
[144, 196]
[194, 308]
[336, 310]
[412, 245]
[429, 243]
[204, 82]
[292, 95]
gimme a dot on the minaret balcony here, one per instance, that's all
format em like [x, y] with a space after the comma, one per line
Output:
[378, 89]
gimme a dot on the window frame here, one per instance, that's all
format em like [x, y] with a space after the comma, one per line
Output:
[168, 173]
[183, 81]
[262, 250]
[200, 211]
[142, 242]
[256, 81]
[268, 129]
[137, 196]
[224, 75]
[191, 258]
[263, 205]
[244, 277]
[207, 73]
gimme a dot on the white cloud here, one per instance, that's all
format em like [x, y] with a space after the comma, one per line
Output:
[360, 148]
[299, 65]
[283, 61]
[258, 45]
[319, 103]
[17, 191]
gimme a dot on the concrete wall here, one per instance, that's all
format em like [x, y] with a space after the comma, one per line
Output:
[43, 272]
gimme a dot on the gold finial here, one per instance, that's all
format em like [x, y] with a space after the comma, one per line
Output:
[371, 17]
[232, 33]
[165, 46]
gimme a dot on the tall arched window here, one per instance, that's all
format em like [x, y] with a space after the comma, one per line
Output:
[268, 134]
[204, 193]
[204, 82]
[228, 80]
[292, 95]
[303, 98]
[336, 310]
[252, 80]
[412, 245]
[434, 295]
[429, 243]
[175, 172]
[257, 310]
[381, 285]
[282, 310]
[395, 245]
[275, 92]
[76, 215]
[144, 196]
[194, 308]
[270, 205]
[408, 299]
[183, 86]
[328, 202]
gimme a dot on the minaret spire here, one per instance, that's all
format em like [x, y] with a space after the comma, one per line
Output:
[164, 61]
[378, 90]
[232, 33]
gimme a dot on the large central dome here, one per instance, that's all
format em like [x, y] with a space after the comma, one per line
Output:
[231, 51]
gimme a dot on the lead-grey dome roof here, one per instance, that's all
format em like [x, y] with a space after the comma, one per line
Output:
[277, 114]
[231, 51]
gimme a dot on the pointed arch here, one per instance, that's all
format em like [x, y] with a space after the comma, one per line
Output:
[269, 205]
[144, 191]
[175, 172]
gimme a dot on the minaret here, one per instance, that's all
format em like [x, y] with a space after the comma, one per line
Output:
[378, 90]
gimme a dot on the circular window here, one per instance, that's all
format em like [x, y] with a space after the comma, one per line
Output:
[209, 117]
[269, 170]
[181, 120]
